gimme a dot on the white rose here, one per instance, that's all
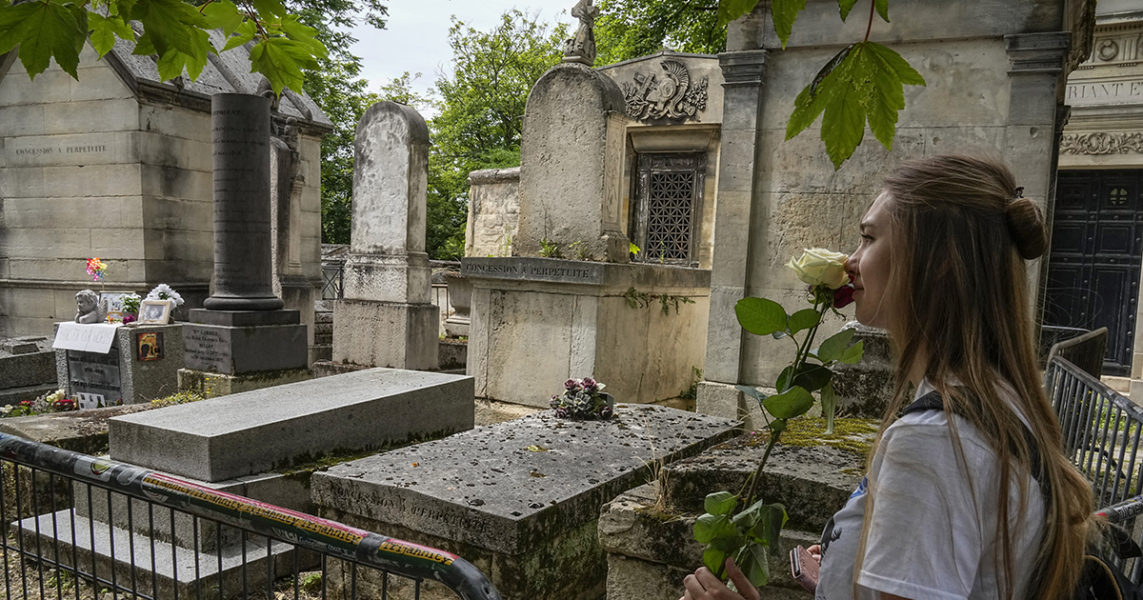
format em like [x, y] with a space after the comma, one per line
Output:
[818, 266]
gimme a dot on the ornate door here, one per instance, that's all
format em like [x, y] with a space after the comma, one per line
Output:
[1093, 269]
[668, 207]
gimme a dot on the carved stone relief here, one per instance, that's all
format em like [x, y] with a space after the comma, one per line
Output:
[668, 95]
[1102, 143]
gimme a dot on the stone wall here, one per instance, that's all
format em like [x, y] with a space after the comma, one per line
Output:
[493, 212]
[995, 72]
[118, 165]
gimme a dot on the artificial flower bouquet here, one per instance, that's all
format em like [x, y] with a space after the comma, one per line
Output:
[583, 399]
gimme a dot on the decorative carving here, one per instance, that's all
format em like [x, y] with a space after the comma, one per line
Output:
[672, 97]
[1108, 49]
[581, 48]
[1102, 143]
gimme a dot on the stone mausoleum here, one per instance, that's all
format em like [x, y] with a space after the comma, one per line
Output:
[118, 165]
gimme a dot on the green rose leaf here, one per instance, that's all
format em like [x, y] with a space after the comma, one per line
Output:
[772, 517]
[791, 403]
[713, 559]
[708, 527]
[853, 354]
[829, 406]
[752, 392]
[784, 380]
[833, 348]
[754, 564]
[813, 377]
[720, 503]
[777, 426]
[864, 82]
[760, 316]
[804, 319]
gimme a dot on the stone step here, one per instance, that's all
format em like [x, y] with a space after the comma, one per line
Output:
[274, 428]
[85, 543]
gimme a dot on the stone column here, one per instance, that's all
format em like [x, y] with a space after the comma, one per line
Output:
[743, 66]
[1031, 137]
[243, 271]
[386, 319]
[243, 331]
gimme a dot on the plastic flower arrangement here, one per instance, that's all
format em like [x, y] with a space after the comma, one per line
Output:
[131, 308]
[748, 534]
[164, 292]
[583, 399]
[55, 401]
[96, 269]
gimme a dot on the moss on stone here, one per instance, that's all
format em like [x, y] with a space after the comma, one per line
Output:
[852, 435]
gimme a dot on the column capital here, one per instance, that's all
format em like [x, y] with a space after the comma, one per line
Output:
[1037, 52]
[743, 67]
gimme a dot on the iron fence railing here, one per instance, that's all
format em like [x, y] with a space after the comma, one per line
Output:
[76, 526]
[1101, 435]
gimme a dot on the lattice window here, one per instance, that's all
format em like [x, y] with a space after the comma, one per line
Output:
[1117, 196]
[668, 200]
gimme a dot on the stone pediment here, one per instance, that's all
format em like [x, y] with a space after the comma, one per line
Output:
[670, 87]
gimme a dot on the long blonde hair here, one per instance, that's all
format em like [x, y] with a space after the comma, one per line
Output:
[960, 235]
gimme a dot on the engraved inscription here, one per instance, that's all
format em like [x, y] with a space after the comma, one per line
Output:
[206, 349]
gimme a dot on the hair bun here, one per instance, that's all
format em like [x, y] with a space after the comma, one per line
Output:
[1026, 226]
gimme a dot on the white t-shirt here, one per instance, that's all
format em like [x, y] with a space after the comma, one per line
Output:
[932, 534]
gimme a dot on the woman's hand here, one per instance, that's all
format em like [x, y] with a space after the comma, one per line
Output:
[703, 585]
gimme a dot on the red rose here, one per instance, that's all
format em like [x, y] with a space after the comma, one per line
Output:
[843, 296]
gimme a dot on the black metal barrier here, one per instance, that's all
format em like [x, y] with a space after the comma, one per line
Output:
[79, 526]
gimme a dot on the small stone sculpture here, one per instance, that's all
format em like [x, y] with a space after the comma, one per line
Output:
[87, 308]
[581, 48]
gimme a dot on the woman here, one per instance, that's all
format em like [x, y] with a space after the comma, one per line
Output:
[940, 266]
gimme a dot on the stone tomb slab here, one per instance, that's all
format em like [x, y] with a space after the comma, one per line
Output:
[519, 499]
[272, 428]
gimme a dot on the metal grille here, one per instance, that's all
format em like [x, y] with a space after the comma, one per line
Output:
[669, 199]
[669, 214]
[1101, 431]
[75, 526]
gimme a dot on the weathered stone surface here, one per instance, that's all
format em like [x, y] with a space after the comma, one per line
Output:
[812, 481]
[244, 349]
[493, 212]
[250, 432]
[571, 156]
[386, 334]
[211, 385]
[599, 319]
[524, 498]
[26, 361]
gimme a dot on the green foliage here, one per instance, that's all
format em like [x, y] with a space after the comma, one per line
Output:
[175, 31]
[638, 299]
[481, 103]
[863, 82]
[336, 86]
[627, 29]
[549, 249]
[745, 536]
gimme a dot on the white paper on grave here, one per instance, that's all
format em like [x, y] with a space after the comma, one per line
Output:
[87, 401]
[94, 337]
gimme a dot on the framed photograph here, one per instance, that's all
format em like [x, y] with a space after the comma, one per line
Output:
[154, 312]
[149, 345]
[112, 303]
